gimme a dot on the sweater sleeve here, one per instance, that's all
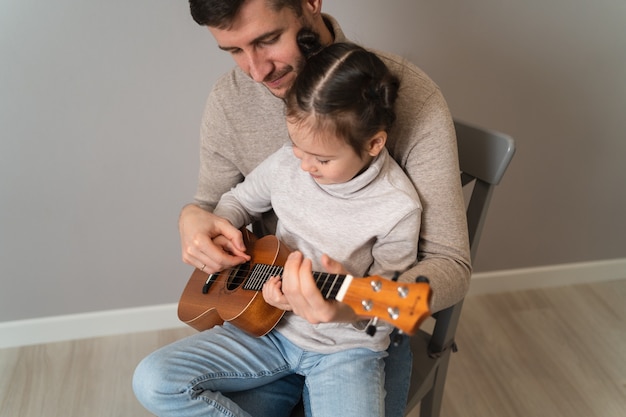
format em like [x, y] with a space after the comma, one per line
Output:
[217, 173]
[249, 199]
[431, 163]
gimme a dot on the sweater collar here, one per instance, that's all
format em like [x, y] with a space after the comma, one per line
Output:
[361, 181]
[335, 29]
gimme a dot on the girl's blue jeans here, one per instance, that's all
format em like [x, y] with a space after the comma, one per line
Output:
[226, 372]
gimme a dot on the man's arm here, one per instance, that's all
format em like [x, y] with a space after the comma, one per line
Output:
[199, 228]
[431, 162]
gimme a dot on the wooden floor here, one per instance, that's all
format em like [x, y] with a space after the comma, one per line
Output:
[550, 352]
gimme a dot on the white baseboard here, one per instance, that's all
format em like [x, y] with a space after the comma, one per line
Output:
[87, 325]
[159, 317]
[547, 276]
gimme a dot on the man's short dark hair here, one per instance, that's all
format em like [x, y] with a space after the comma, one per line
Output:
[221, 13]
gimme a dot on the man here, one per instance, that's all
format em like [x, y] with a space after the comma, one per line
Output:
[244, 122]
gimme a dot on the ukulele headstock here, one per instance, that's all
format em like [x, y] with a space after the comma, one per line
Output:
[400, 304]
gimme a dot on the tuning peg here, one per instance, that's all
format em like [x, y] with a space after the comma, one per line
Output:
[371, 327]
[422, 278]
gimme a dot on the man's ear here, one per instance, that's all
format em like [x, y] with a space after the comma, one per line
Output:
[313, 6]
[376, 143]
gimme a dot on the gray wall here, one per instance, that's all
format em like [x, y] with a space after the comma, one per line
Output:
[99, 113]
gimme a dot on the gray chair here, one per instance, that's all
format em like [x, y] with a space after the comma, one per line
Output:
[484, 157]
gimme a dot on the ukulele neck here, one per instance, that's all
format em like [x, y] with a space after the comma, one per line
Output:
[332, 286]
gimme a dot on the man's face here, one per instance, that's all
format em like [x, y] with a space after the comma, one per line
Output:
[263, 44]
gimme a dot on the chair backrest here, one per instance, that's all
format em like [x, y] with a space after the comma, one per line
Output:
[484, 156]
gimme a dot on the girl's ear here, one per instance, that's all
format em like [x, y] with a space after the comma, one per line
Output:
[376, 143]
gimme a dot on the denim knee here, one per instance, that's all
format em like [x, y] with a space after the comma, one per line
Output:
[149, 386]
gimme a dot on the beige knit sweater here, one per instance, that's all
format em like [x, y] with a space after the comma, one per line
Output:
[243, 123]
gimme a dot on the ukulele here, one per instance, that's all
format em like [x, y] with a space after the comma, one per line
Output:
[234, 295]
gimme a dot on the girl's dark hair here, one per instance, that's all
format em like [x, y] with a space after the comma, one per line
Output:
[221, 13]
[344, 88]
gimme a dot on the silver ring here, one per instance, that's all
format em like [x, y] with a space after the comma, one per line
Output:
[203, 266]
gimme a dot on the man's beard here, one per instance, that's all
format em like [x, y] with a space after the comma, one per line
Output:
[278, 74]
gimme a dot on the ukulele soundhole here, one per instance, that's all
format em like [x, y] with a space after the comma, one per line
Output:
[237, 276]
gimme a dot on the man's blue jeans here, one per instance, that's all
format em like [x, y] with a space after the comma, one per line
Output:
[225, 372]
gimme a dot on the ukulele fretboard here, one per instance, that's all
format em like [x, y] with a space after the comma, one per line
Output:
[328, 284]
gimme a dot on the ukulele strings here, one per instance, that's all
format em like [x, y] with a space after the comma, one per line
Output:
[259, 274]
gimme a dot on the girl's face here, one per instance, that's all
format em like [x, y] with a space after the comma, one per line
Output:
[328, 158]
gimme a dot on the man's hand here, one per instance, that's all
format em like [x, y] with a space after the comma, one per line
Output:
[298, 292]
[209, 242]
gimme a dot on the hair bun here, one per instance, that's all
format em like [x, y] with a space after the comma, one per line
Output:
[308, 42]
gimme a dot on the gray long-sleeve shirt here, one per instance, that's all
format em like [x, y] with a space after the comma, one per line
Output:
[369, 224]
